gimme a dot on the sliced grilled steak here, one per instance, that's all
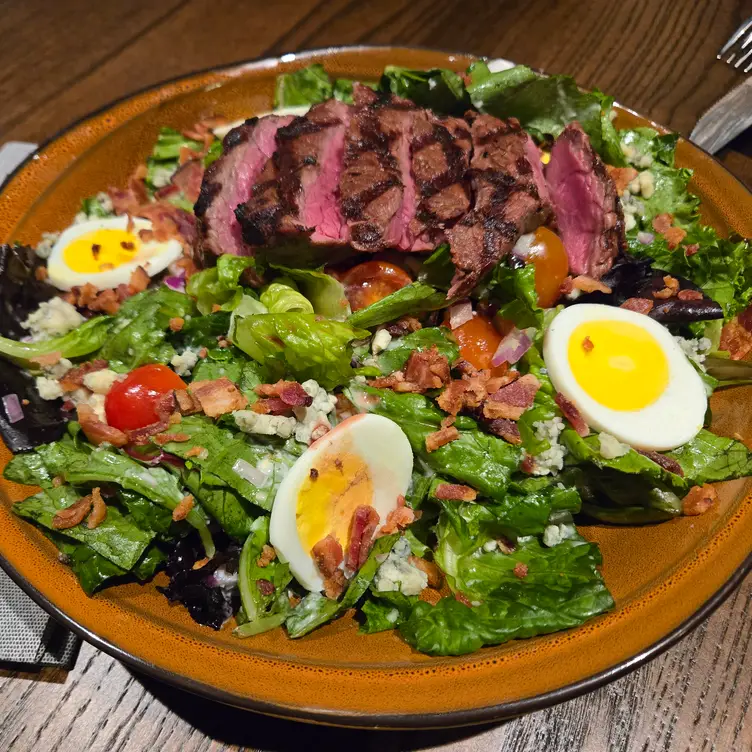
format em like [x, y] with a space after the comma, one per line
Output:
[296, 191]
[440, 156]
[228, 182]
[509, 201]
[588, 212]
[377, 191]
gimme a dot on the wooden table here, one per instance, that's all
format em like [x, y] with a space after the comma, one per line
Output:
[63, 58]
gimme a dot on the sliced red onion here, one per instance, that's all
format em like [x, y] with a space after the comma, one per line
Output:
[460, 313]
[175, 283]
[646, 238]
[152, 459]
[513, 346]
[250, 473]
[13, 408]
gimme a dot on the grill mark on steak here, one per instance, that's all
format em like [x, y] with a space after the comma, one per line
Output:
[508, 201]
[228, 181]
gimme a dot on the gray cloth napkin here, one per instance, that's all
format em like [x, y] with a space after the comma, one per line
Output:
[29, 637]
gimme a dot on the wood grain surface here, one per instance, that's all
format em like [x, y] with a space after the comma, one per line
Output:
[61, 59]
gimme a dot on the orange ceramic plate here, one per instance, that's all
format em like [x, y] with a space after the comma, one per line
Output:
[665, 578]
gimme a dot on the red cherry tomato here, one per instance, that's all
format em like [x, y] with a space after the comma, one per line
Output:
[547, 254]
[371, 281]
[478, 340]
[130, 403]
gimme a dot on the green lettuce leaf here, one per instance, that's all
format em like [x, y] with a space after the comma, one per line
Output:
[514, 289]
[221, 502]
[327, 294]
[399, 350]
[306, 86]
[165, 157]
[299, 344]
[386, 610]
[412, 299]
[282, 298]
[439, 89]
[709, 458]
[220, 285]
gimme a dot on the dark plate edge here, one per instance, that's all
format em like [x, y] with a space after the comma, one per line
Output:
[348, 719]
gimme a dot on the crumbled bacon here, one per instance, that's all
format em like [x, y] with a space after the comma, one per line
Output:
[74, 377]
[446, 434]
[139, 280]
[667, 463]
[506, 429]
[638, 305]
[99, 510]
[98, 432]
[41, 273]
[183, 509]
[513, 399]
[343, 407]
[588, 284]
[167, 438]
[520, 570]
[690, 250]
[689, 295]
[218, 396]
[663, 222]
[405, 325]
[164, 407]
[670, 290]
[527, 465]
[271, 406]
[108, 301]
[429, 369]
[455, 492]
[364, 522]
[572, 414]
[567, 286]
[435, 577]
[73, 515]
[127, 200]
[265, 587]
[452, 399]
[187, 403]
[290, 392]
[169, 222]
[398, 519]
[327, 555]
[674, 236]
[396, 382]
[197, 451]
[462, 598]
[622, 176]
[48, 359]
[735, 339]
[699, 500]
[177, 323]
[268, 555]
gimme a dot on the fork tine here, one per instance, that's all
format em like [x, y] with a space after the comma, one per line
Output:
[747, 54]
[734, 38]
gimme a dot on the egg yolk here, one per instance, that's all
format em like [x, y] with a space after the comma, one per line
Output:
[618, 364]
[101, 250]
[337, 485]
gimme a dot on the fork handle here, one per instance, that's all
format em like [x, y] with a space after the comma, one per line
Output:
[725, 119]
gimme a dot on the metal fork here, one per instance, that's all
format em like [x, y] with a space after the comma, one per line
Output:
[738, 49]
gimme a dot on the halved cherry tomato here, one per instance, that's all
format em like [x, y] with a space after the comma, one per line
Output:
[371, 281]
[546, 253]
[478, 340]
[130, 403]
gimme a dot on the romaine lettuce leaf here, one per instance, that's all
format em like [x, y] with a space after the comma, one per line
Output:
[282, 298]
[439, 89]
[303, 87]
[709, 458]
[220, 285]
[514, 288]
[386, 610]
[221, 502]
[327, 294]
[412, 299]
[399, 350]
[165, 157]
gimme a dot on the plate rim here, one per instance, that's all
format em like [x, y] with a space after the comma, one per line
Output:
[354, 719]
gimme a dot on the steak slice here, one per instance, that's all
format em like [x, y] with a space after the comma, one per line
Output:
[378, 197]
[295, 193]
[228, 181]
[509, 199]
[585, 199]
[440, 157]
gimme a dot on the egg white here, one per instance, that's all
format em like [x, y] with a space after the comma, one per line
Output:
[154, 257]
[384, 448]
[672, 420]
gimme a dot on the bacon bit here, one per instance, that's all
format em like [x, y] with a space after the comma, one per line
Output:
[690, 250]
[41, 273]
[223, 342]
[405, 325]
[513, 399]
[528, 464]
[395, 381]
[429, 369]
[98, 432]
[187, 179]
[587, 344]
[202, 353]
[183, 509]
[506, 429]
[139, 280]
[638, 305]
[170, 222]
[25, 402]
[735, 339]
[455, 492]
[185, 155]
[699, 500]
[290, 392]
[293, 599]
[165, 405]
[674, 236]
[520, 570]
[218, 396]
[216, 307]
[107, 302]
[588, 284]
[452, 399]
[622, 176]
[271, 406]
[265, 587]
[667, 463]
[363, 526]
[343, 407]
[506, 546]
[435, 577]
[567, 286]
[745, 318]
[398, 519]
[74, 377]
[197, 451]
[177, 323]
[166, 438]
[670, 290]
[187, 404]
[58, 481]
[663, 222]
[99, 510]
[689, 295]
[446, 434]
[572, 414]
[313, 474]
[327, 555]
[72, 515]
[268, 555]
[462, 598]
[201, 563]
[49, 359]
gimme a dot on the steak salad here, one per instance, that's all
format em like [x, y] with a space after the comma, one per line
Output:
[381, 349]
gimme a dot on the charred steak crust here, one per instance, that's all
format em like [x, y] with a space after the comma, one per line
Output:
[589, 214]
[508, 201]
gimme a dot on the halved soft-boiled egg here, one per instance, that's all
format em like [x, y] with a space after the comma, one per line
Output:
[626, 375]
[104, 252]
[365, 460]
